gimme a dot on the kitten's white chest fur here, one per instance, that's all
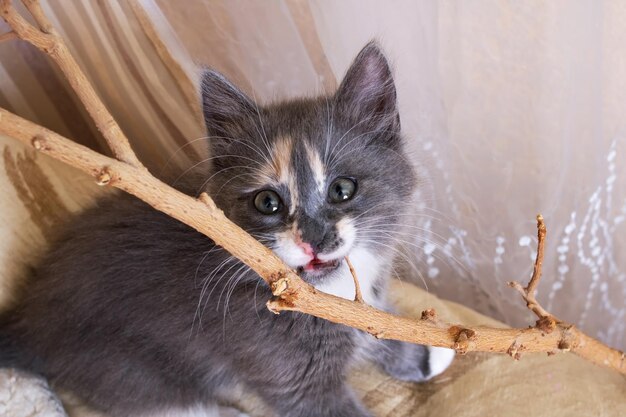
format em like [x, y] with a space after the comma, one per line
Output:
[368, 269]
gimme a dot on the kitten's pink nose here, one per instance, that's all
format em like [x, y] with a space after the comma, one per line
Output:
[307, 249]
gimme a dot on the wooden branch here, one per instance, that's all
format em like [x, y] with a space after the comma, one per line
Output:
[8, 36]
[572, 338]
[34, 8]
[290, 292]
[49, 41]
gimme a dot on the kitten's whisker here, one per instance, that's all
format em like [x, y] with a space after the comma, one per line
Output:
[227, 182]
[395, 274]
[194, 166]
[334, 162]
[398, 219]
[402, 229]
[437, 245]
[403, 213]
[214, 275]
[256, 307]
[207, 280]
[227, 286]
[416, 216]
[180, 148]
[264, 135]
[369, 145]
[330, 120]
[203, 290]
[230, 288]
[370, 209]
[399, 253]
[221, 171]
[397, 233]
[215, 284]
[250, 145]
[444, 216]
[241, 275]
[195, 276]
[449, 255]
[344, 135]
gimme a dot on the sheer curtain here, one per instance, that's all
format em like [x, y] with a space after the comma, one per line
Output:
[511, 108]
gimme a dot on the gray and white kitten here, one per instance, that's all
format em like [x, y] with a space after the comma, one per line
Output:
[139, 315]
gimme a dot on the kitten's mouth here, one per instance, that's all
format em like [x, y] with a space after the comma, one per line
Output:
[318, 267]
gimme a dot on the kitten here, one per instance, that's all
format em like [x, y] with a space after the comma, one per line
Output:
[139, 315]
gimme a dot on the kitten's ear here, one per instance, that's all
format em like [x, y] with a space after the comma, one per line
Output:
[224, 105]
[368, 93]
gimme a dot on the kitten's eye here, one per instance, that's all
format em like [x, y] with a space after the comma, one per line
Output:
[268, 202]
[342, 189]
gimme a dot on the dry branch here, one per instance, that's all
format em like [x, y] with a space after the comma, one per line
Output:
[50, 42]
[290, 291]
[528, 292]
[8, 36]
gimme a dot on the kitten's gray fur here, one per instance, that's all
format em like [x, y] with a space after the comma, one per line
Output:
[135, 312]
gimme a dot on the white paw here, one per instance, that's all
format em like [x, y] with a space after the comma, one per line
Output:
[439, 359]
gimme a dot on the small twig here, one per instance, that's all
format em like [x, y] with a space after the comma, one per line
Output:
[463, 340]
[358, 297]
[24, 29]
[34, 7]
[8, 36]
[48, 40]
[528, 292]
[541, 237]
[514, 350]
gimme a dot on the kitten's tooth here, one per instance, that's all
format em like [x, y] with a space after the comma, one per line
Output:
[439, 359]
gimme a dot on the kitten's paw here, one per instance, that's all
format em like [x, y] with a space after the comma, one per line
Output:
[439, 359]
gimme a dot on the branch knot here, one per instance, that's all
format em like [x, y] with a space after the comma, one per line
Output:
[463, 339]
[569, 341]
[546, 324]
[39, 143]
[514, 350]
[104, 177]
[279, 286]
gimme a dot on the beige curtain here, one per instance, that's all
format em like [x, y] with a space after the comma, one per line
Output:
[510, 108]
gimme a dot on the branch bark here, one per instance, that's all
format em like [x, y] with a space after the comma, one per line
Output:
[8, 36]
[290, 292]
[47, 39]
[528, 292]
